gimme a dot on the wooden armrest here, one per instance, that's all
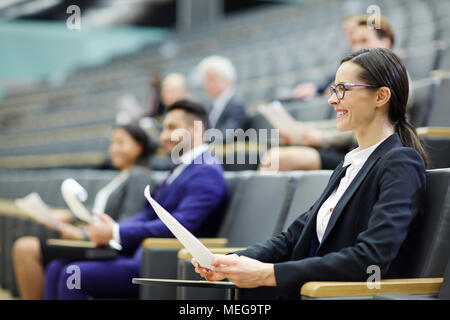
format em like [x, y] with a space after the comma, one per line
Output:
[234, 147]
[439, 73]
[433, 132]
[71, 243]
[9, 208]
[325, 289]
[174, 243]
[186, 255]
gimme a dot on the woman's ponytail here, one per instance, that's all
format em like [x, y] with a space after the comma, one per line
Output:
[409, 137]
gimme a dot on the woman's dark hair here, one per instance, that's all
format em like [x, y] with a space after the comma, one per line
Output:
[141, 137]
[383, 68]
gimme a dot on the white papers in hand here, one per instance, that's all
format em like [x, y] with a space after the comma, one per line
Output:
[201, 253]
[73, 193]
[279, 118]
[36, 208]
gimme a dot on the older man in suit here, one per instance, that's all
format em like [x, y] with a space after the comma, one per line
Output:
[194, 192]
[227, 112]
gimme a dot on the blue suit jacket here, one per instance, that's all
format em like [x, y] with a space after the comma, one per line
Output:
[195, 198]
[369, 226]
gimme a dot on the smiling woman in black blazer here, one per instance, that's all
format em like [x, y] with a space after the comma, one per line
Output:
[364, 215]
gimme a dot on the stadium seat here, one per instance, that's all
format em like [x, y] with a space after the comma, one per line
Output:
[436, 134]
[428, 258]
[307, 187]
[443, 293]
[423, 96]
[159, 255]
[256, 213]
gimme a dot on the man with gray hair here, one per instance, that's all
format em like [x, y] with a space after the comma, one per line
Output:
[219, 76]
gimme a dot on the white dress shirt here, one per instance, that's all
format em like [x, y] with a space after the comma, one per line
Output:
[355, 159]
[186, 159]
[103, 194]
[219, 105]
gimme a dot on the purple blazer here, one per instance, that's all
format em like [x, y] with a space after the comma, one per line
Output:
[196, 198]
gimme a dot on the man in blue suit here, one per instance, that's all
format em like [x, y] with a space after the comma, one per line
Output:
[194, 192]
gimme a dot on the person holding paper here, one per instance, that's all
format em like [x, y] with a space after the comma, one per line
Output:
[319, 144]
[364, 216]
[194, 192]
[129, 150]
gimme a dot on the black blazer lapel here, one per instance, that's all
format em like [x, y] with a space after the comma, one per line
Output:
[300, 250]
[388, 144]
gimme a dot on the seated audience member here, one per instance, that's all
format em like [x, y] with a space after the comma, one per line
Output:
[173, 89]
[308, 90]
[219, 76]
[323, 146]
[364, 215]
[194, 192]
[121, 198]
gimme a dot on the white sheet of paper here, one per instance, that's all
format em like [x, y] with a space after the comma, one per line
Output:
[279, 118]
[198, 250]
[73, 193]
[36, 208]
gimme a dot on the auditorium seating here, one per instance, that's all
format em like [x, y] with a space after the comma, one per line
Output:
[305, 188]
[429, 255]
[258, 208]
[58, 129]
[65, 123]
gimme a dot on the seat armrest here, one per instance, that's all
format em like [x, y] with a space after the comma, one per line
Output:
[71, 243]
[325, 289]
[9, 208]
[186, 255]
[149, 243]
[433, 132]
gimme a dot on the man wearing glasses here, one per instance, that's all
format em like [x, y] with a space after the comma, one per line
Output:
[320, 145]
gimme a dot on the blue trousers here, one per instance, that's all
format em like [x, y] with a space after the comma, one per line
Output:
[104, 279]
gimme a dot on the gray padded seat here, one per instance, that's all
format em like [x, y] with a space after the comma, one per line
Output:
[309, 188]
[440, 113]
[162, 262]
[255, 214]
[431, 256]
[432, 249]
[423, 96]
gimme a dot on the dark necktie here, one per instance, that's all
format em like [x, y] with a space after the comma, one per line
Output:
[162, 186]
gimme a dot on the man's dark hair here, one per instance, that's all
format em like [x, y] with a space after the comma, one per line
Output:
[196, 110]
[385, 29]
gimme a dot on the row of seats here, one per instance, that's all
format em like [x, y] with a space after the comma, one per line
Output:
[429, 256]
[428, 108]
[272, 200]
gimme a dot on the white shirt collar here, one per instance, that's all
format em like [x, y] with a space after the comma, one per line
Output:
[224, 96]
[189, 156]
[358, 157]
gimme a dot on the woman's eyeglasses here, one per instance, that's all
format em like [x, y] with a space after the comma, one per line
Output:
[340, 88]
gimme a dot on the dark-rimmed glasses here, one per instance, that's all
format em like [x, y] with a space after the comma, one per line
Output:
[340, 88]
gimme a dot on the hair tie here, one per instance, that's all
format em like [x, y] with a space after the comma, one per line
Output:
[401, 120]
